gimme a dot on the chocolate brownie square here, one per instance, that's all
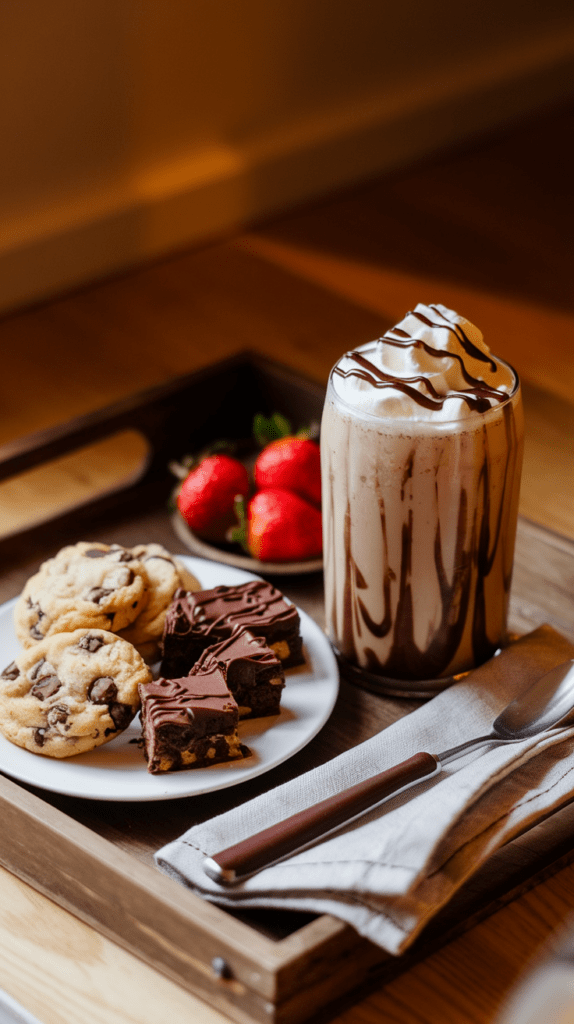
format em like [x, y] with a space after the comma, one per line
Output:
[198, 620]
[252, 672]
[189, 723]
[182, 643]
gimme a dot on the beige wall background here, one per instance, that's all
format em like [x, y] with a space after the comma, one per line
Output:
[131, 128]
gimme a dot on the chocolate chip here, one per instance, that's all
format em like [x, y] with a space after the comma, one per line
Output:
[116, 551]
[11, 671]
[58, 714]
[39, 669]
[34, 630]
[121, 715]
[45, 679]
[90, 642]
[103, 690]
[39, 736]
[47, 686]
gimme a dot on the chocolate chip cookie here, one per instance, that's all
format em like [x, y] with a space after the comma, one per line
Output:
[97, 586]
[71, 692]
[163, 574]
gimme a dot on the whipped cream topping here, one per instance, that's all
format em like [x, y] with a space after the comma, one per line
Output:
[434, 365]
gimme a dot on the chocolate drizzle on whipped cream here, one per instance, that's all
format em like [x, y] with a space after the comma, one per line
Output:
[478, 396]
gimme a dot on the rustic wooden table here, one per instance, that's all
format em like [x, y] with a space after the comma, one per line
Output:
[488, 232]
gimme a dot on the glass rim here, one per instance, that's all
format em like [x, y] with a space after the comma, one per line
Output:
[383, 418]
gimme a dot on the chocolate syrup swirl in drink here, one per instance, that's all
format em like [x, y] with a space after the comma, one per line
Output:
[420, 514]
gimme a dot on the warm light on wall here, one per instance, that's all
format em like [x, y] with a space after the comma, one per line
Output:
[133, 129]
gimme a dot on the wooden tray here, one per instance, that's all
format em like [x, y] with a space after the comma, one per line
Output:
[96, 859]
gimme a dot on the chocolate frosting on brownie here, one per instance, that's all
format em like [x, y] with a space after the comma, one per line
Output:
[197, 620]
[199, 699]
[241, 645]
[253, 672]
[256, 605]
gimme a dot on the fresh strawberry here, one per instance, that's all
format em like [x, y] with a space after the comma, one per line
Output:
[283, 527]
[292, 463]
[207, 495]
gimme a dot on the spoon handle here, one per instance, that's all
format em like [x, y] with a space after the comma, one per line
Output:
[300, 830]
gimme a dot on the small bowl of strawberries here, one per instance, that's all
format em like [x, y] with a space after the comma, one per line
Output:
[258, 509]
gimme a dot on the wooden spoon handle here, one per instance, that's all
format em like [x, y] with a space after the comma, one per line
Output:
[300, 830]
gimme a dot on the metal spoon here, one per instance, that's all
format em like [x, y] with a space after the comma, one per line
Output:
[543, 705]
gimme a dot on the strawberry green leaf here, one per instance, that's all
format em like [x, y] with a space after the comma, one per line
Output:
[266, 429]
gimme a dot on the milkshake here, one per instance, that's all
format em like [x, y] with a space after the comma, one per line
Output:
[421, 454]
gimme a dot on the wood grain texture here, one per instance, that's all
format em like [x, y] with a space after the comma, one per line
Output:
[64, 972]
[486, 230]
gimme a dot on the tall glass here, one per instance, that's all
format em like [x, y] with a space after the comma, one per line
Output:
[419, 525]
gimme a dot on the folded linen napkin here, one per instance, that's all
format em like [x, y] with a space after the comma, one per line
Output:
[390, 871]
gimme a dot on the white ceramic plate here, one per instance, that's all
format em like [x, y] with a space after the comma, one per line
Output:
[117, 770]
[206, 550]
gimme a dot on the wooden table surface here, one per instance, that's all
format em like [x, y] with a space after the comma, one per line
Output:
[487, 231]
